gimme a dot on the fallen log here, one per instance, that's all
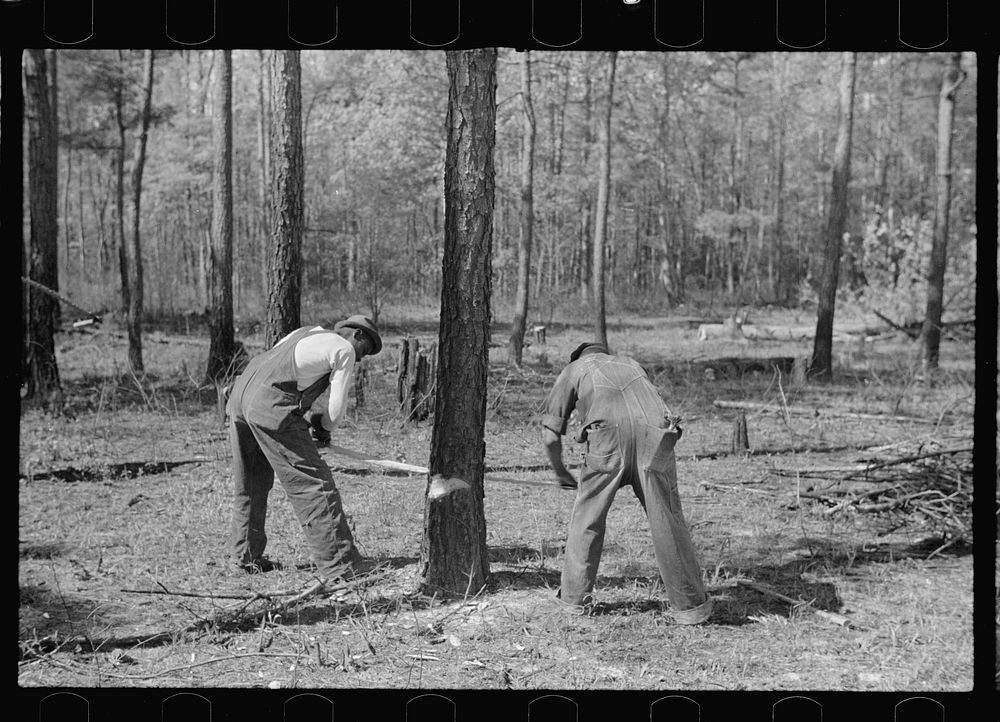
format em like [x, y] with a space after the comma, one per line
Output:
[833, 617]
[804, 411]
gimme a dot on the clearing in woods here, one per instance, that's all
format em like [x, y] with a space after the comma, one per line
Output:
[124, 513]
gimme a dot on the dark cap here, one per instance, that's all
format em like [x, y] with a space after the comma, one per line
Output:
[578, 351]
[364, 324]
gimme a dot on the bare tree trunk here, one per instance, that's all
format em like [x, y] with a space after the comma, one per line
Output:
[953, 77]
[135, 311]
[284, 269]
[123, 265]
[39, 371]
[586, 249]
[519, 325]
[222, 344]
[264, 155]
[601, 221]
[821, 363]
[775, 276]
[453, 553]
[53, 60]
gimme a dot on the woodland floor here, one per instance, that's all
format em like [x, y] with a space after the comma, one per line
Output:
[133, 493]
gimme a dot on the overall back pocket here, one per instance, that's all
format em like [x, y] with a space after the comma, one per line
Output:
[603, 449]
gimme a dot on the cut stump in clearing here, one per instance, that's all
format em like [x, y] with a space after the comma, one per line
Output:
[740, 443]
[416, 373]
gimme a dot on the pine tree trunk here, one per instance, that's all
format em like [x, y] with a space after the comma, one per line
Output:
[284, 269]
[519, 326]
[134, 307]
[953, 77]
[220, 277]
[264, 154]
[125, 284]
[775, 263]
[821, 363]
[601, 221]
[453, 553]
[53, 59]
[40, 373]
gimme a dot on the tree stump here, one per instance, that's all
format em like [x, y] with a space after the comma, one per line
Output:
[539, 331]
[799, 371]
[416, 373]
[740, 443]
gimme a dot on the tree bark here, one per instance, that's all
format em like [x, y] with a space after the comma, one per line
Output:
[284, 268]
[53, 60]
[601, 221]
[40, 372]
[264, 154]
[586, 248]
[821, 363]
[953, 77]
[519, 326]
[775, 267]
[133, 308]
[125, 289]
[220, 291]
[453, 553]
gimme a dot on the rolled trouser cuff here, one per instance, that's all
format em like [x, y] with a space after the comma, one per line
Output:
[583, 608]
[694, 615]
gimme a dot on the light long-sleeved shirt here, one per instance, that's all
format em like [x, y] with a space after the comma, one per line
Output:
[320, 354]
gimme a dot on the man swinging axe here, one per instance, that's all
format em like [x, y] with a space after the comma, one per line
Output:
[270, 437]
[629, 436]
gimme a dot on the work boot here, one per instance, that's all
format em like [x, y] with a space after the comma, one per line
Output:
[261, 565]
[350, 572]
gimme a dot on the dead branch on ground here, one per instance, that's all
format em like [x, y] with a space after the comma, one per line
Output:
[820, 413]
[926, 482]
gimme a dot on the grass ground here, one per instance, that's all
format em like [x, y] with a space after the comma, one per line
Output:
[92, 550]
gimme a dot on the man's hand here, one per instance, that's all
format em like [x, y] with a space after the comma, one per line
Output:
[319, 434]
[553, 447]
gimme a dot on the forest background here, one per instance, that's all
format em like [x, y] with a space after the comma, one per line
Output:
[720, 169]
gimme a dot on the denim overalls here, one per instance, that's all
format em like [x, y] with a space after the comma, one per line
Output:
[628, 442]
[270, 437]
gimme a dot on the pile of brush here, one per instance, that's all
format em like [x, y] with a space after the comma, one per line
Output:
[926, 482]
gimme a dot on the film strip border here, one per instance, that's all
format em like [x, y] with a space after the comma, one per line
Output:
[882, 25]
[415, 706]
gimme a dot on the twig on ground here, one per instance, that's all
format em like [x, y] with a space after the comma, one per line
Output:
[838, 619]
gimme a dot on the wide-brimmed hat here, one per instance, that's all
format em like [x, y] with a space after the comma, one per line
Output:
[600, 347]
[366, 325]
